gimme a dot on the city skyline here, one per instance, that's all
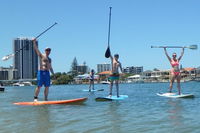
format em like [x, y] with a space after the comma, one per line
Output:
[82, 31]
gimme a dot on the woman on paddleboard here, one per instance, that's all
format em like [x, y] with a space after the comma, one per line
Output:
[91, 80]
[175, 70]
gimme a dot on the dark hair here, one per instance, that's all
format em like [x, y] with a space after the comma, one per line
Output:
[174, 53]
[116, 55]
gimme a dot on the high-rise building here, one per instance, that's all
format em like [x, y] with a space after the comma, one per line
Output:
[26, 60]
[103, 67]
[82, 69]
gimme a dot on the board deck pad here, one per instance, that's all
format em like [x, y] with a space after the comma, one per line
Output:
[112, 98]
[174, 95]
[87, 90]
[78, 100]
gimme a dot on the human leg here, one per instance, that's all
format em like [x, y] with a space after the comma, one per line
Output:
[171, 82]
[178, 84]
[93, 84]
[90, 85]
[46, 92]
[37, 91]
[117, 87]
[111, 86]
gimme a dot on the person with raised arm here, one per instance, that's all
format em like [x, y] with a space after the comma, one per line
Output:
[114, 76]
[175, 70]
[43, 75]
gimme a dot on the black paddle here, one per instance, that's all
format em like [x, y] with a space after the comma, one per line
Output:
[193, 47]
[108, 53]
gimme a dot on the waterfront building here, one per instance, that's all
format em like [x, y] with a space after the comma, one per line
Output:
[103, 76]
[103, 67]
[133, 70]
[82, 69]
[26, 60]
[8, 73]
[85, 78]
[187, 74]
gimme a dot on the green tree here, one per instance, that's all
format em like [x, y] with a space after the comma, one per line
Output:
[74, 65]
[61, 78]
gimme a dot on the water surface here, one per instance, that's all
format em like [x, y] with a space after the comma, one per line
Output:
[142, 112]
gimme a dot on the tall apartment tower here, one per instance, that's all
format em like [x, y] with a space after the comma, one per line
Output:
[26, 60]
[103, 67]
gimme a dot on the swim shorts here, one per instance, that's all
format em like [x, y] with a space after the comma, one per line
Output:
[43, 78]
[114, 77]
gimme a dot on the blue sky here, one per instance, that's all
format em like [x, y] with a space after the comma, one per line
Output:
[83, 27]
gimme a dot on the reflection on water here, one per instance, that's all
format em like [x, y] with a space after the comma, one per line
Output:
[114, 116]
[42, 119]
[175, 115]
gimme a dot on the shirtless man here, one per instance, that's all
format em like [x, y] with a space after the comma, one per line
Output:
[43, 76]
[115, 73]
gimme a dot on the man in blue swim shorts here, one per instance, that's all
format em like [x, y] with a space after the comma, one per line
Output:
[43, 75]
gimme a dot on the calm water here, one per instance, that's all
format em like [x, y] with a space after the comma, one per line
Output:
[142, 112]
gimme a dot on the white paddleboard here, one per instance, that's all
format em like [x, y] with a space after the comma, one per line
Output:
[87, 90]
[174, 95]
[110, 98]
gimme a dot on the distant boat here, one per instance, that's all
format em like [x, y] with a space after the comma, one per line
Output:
[22, 84]
[104, 82]
[2, 88]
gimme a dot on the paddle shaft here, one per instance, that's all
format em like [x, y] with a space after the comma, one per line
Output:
[38, 35]
[167, 47]
[109, 27]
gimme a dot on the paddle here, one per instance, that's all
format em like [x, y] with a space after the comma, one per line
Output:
[193, 47]
[108, 53]
[11, 55]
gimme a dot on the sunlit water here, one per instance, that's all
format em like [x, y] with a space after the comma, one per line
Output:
[142, 112]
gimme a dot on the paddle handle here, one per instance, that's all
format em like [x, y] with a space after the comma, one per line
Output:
[193, 47]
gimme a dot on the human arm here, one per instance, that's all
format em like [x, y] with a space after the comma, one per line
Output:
[36, 48]
[111, 59]
[167, 54]
[120, 66]
[183, 49]
[51, 69]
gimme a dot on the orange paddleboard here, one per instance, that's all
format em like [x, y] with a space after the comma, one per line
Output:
[78, 100]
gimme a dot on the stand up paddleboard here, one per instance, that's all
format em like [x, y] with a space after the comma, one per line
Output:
[87, 90]
[78, 100]
[111, 98]
[174, 95]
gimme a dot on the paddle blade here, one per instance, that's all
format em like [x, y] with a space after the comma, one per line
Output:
[193, 47]
[107, 54]
[7, 57]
